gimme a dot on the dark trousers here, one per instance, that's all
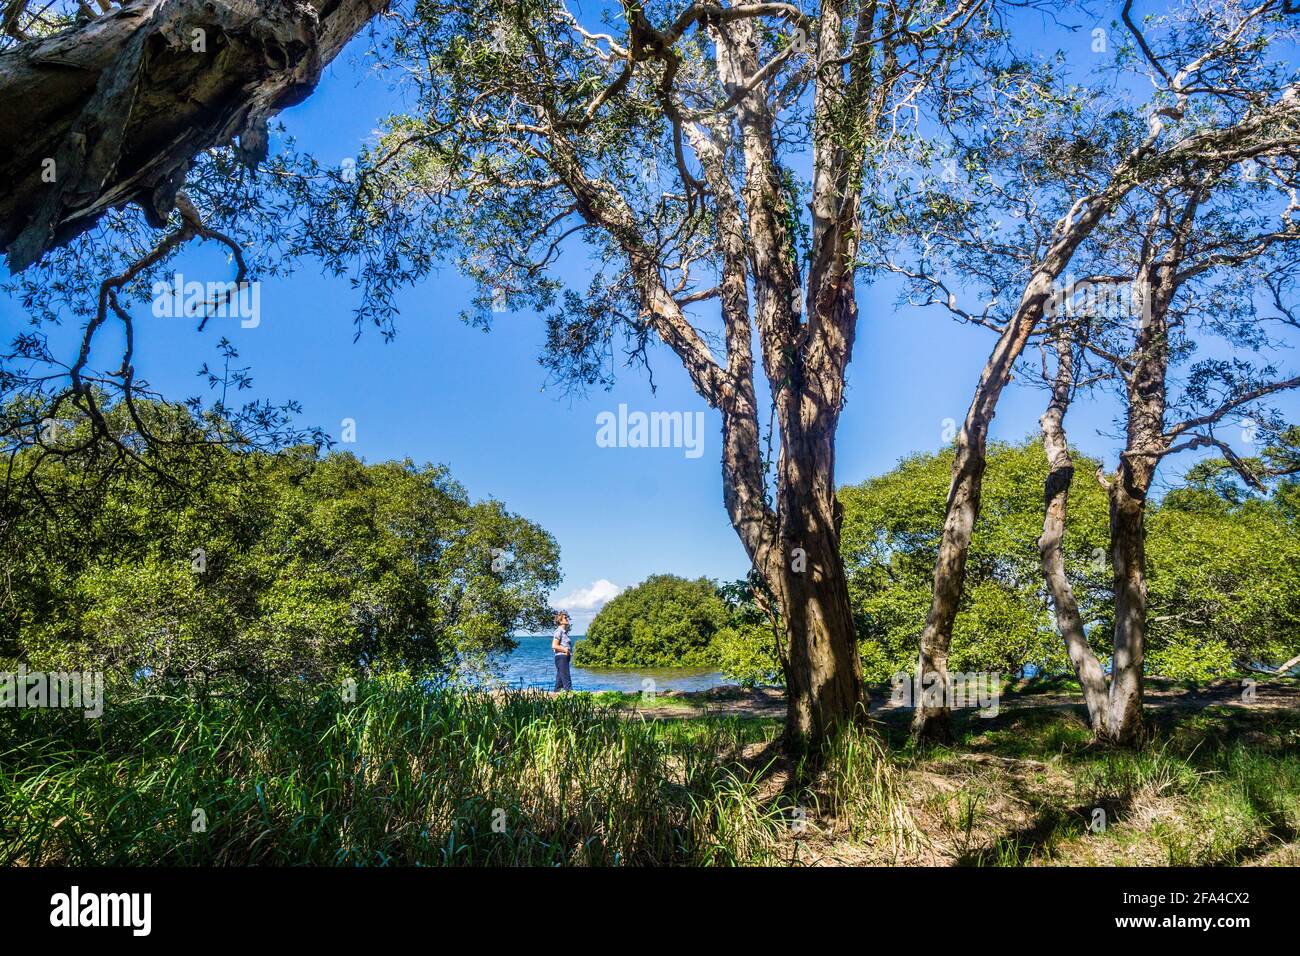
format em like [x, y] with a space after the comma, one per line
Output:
[562, 679]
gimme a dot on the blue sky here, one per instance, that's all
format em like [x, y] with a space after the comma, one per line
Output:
[446, 392]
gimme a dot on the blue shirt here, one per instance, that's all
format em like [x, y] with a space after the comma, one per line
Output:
[562, 638]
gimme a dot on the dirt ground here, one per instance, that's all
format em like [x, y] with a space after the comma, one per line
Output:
[1022, 786]
[1161, 695]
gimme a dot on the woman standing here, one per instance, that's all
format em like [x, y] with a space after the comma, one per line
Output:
[563, 648]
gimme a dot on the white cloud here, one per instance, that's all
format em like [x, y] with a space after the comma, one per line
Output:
[591, 598]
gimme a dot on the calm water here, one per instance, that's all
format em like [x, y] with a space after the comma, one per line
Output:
[533, 663]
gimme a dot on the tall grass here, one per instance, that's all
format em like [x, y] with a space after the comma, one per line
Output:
[865, 792]
[401, 776]
[410, 776]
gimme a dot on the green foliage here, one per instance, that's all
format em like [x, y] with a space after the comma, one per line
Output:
[402, 776]
[258, 567]
[1223, 573]
[1224, 583]
[665, 621]
[746, 654]
[892, 527]
[747, 646]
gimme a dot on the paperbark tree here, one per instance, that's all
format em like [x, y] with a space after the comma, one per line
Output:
[1164, 269]
[1192, 251]
[1191, 121]
[666, 145]
[1051, 547]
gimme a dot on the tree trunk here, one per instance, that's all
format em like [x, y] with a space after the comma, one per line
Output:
[113, 110]
[806, 586]
[1127, 550]
[1056, 495]
[819, 654]
[932, 720]
[824, 689]
[1145, 445]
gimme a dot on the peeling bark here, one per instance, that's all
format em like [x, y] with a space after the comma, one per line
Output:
[804, 362]
[931, 720]
[1264, 132]
[1056, 496]
[1128, 554]
[823, 674]
[122, 104]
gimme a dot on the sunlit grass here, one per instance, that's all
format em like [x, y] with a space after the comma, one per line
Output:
[399, 776]
[411, 777]
[1220, 786]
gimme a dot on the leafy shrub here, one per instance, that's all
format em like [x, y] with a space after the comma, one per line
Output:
[665, 621]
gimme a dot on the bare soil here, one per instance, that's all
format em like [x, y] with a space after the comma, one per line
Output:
[1022, 786]
[1161, 695]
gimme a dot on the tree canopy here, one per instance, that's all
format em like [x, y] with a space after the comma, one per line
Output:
[238, 567]
[731, 172]
[1224, 574]
[665, 621]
